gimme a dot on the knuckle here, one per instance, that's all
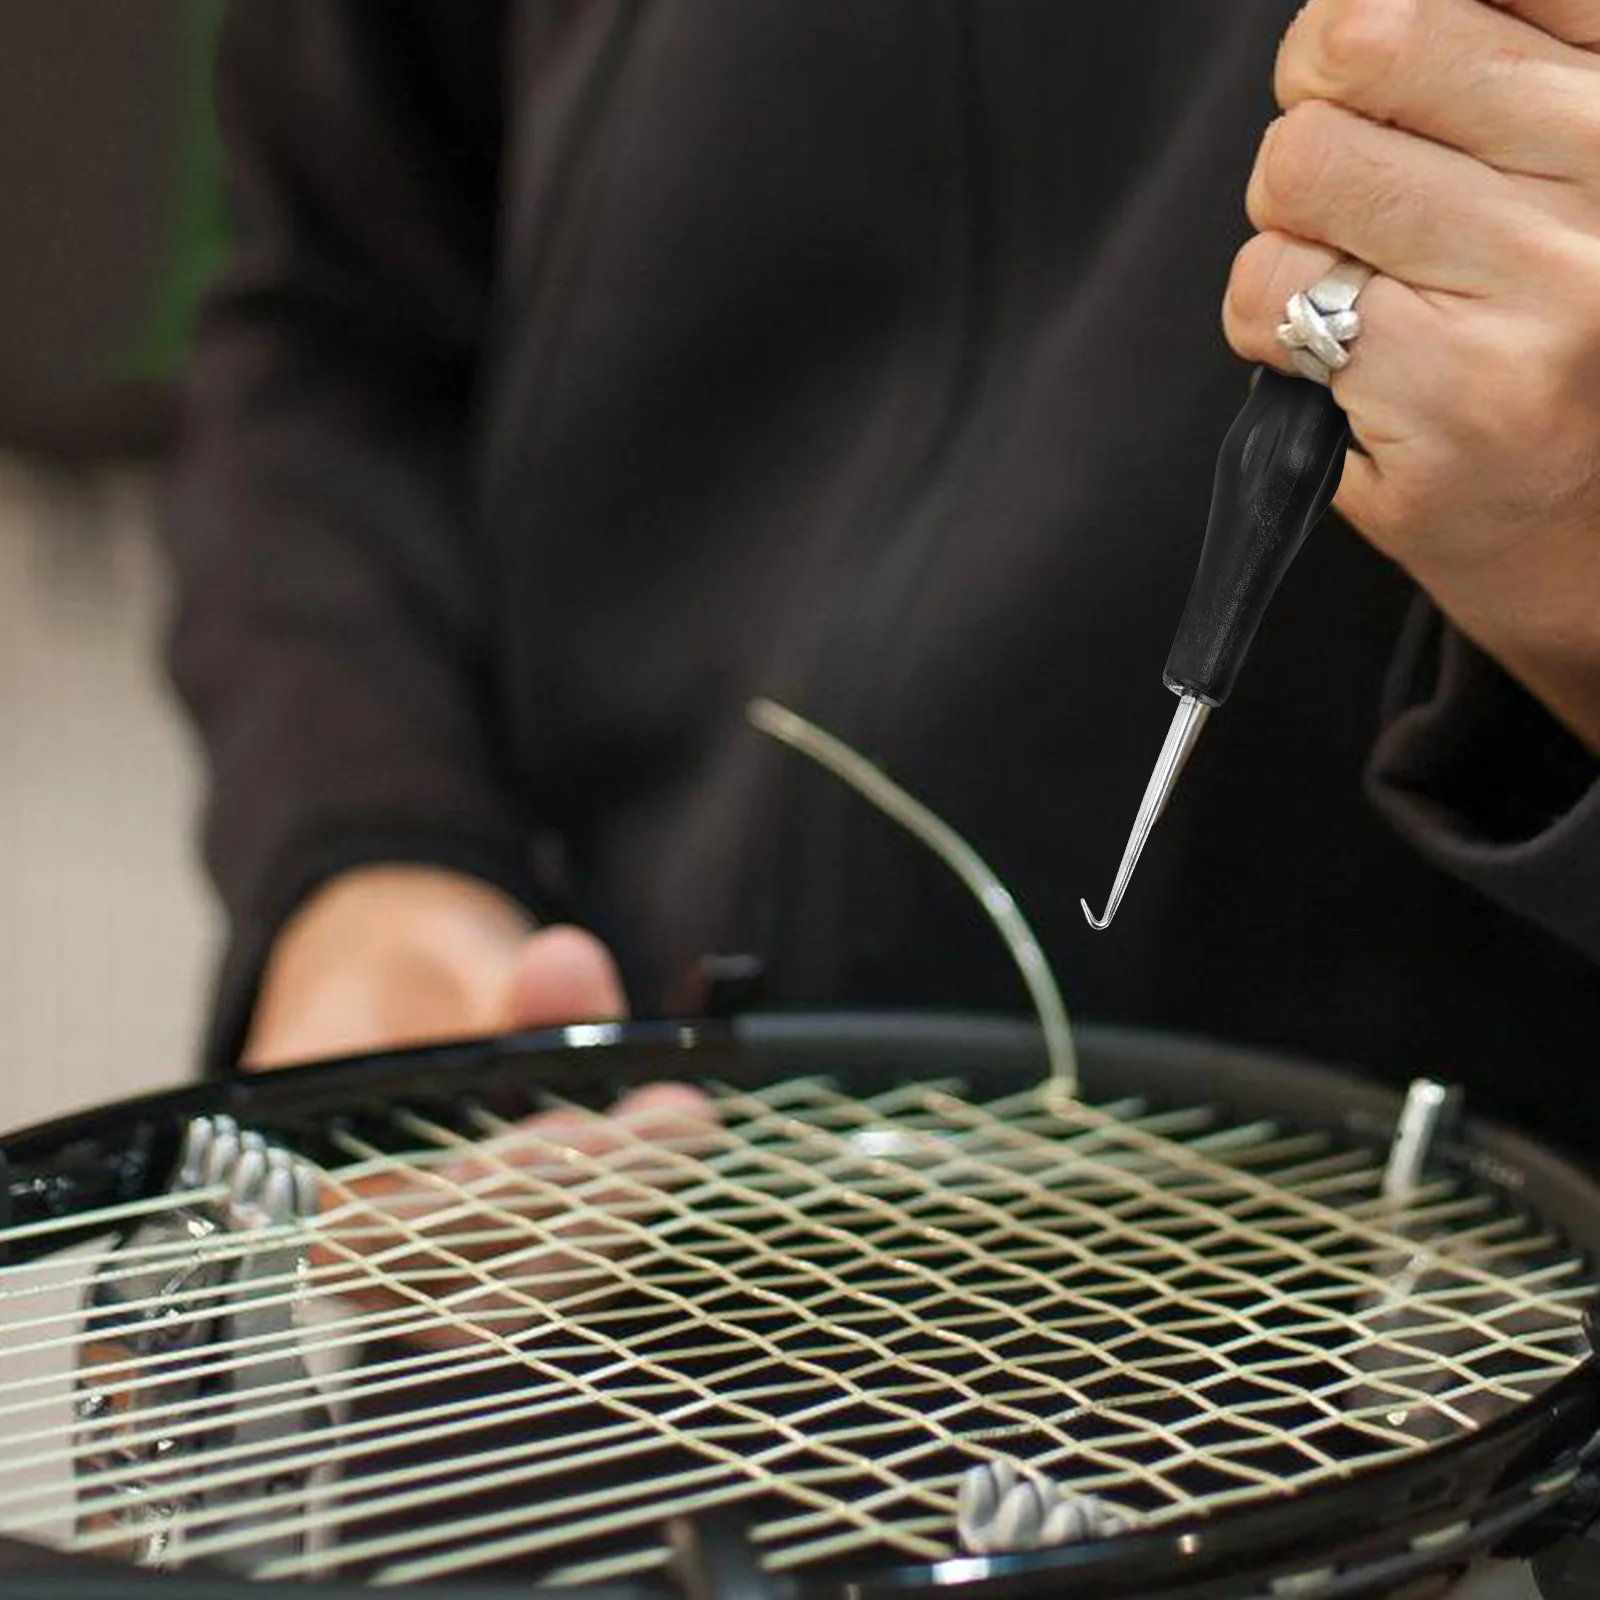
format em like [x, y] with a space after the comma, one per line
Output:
[1295, 162]
[1256, 269]
[1360, 43]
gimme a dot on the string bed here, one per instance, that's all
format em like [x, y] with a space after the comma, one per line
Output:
[823, 1311]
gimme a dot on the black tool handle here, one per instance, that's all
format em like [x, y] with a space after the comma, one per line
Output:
[1278, 470]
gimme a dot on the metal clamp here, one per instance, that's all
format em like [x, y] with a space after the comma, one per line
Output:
[151, 1391]
[1005, 1507]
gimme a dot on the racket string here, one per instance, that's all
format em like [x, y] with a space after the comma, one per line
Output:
[696, 1443]
[233, 1248]
[980, 1278]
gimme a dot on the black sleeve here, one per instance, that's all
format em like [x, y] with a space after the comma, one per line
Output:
[329, 633]
[1487, 784]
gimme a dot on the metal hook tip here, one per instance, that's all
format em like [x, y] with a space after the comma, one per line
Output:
[1187, 721]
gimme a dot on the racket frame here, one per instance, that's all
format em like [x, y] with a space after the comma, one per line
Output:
[1441, 1508]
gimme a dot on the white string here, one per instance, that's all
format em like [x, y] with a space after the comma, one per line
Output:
[239, 1247]
[996, 1173]
[519, 1173]
[975, 873]
[388, 1508]
[697, 1443]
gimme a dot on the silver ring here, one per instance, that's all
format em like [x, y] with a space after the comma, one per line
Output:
[1323, 321]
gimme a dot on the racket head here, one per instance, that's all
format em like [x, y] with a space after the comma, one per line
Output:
[1441, 1507]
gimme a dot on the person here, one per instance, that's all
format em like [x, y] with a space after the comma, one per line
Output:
[584, 370]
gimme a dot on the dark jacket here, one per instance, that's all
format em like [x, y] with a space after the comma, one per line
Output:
[589, 366]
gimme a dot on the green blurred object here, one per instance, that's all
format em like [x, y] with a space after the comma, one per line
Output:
[198, 226]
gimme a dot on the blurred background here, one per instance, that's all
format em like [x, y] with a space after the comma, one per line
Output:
[108, 179]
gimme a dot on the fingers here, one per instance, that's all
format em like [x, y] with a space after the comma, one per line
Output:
[1396, 321]
[1468, 413]
[1400, 367]
[1454, 146]
[1460, 72]
[561, 975]
[385, 956]
[1415, 210]
[1575, 21]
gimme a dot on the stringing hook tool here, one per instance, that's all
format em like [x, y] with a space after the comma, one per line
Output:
[1277, 472]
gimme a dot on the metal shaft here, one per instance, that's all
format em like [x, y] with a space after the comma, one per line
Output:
[1182, 736]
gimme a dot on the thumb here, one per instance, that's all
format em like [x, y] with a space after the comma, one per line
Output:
[563, 974]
